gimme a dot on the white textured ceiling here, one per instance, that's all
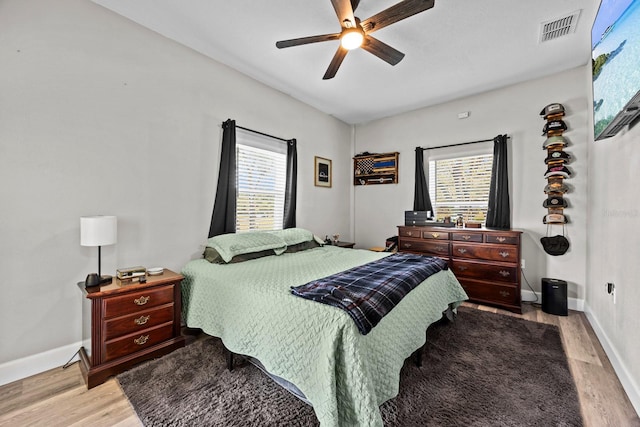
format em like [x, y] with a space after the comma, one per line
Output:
[458, 48]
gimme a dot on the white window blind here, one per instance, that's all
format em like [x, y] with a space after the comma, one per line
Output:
[261, 176]
[460, 186]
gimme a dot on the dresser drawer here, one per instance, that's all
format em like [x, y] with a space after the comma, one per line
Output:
[502, 239]
[435, 235]
[467, 237]
[424, 246]
[138, 321]
[489, 252]
[135, 342]
[137, 301]
[409, 232]
[479, 270]
[491, 292]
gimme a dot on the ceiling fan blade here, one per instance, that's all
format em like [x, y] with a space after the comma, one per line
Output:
[382, 50]
[335, 63]
[345, 12]
[395, 13]
[306, 40]
[354, 4]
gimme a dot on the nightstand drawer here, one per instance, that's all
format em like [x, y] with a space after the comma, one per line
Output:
[131, 323]
[135, 342]
[483, 271]
[488, 252]
[137, 301]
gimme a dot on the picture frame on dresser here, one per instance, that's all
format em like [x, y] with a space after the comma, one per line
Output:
[322, 172]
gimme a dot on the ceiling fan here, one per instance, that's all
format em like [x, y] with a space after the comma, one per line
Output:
[356, 33]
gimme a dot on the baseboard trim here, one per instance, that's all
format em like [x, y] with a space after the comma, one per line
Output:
[27, 366]
[572, 303]
[629, 385]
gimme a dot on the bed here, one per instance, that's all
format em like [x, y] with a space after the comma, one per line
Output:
[344, 374]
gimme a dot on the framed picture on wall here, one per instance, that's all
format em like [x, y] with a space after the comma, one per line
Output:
[322, 172]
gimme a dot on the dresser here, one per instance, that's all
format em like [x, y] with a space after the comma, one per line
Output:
[125, 323]
[486, 262]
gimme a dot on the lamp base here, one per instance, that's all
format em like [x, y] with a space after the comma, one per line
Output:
[105, 279]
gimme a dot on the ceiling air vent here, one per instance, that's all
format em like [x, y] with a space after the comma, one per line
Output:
[559, 27]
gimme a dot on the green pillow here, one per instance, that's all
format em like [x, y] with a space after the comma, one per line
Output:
[230, 245]
[293, 236]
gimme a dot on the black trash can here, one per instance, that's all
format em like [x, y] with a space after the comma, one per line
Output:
[554, 296]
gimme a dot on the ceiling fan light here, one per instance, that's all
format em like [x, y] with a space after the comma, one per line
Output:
[351, 39]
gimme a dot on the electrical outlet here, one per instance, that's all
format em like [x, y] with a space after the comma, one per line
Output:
[522, 263]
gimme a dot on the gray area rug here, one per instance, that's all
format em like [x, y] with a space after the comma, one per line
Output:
[484, 369]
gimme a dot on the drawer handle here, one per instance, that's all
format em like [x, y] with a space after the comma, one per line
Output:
[466, 237]
[435, 235]
[407, 245]
[142, 320]
[441, 249]
[505, 293]
[504, 254]
[462, 268]
[409, 233]
[142, 300]
[462, 250]
[504, 273]
[501, 239]
[142, 340]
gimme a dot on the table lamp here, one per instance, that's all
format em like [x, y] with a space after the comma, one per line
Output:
[98, 230]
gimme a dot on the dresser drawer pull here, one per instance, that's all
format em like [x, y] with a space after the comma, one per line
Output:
[504, 273]
[504, 254]
[407, 245]
[501, 239]
[462, 268]
[409, 233]
[462, 250]
[505, 293]
[466, 237]
[435, 235]
[441, 248]
[142, 300]
[142, 320]
[142, 340]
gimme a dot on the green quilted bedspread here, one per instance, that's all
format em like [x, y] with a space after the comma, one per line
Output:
[344, 374]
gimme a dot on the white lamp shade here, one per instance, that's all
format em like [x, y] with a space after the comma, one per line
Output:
[99, 230]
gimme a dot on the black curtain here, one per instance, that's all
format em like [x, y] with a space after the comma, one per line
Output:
[289, 220]
[421, 199]
[223, 219]
[499, 211]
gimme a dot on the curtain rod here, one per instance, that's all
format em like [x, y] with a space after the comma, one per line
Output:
[263, 134]
[461, 143]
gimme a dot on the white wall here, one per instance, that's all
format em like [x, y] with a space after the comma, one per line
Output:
[514, 111]
[614, 250]
[101, 116]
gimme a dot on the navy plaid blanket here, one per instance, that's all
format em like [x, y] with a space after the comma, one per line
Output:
[368, 292]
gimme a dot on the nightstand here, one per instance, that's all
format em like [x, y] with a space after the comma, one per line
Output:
[125, 323]
[348, 245]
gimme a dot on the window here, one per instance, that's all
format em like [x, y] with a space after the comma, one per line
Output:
[460, 186]
[261, 168]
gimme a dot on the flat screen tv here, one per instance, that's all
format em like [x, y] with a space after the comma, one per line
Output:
[615, 42]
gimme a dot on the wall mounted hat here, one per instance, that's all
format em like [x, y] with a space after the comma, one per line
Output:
[558, 157]
[555, 219]
[556, 187]
[562, 171]
[555, 202]
[558, 140]
[552, 110]
[554, 127]
[555, 245]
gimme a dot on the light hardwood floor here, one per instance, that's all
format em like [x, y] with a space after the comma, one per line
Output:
[59, 397]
